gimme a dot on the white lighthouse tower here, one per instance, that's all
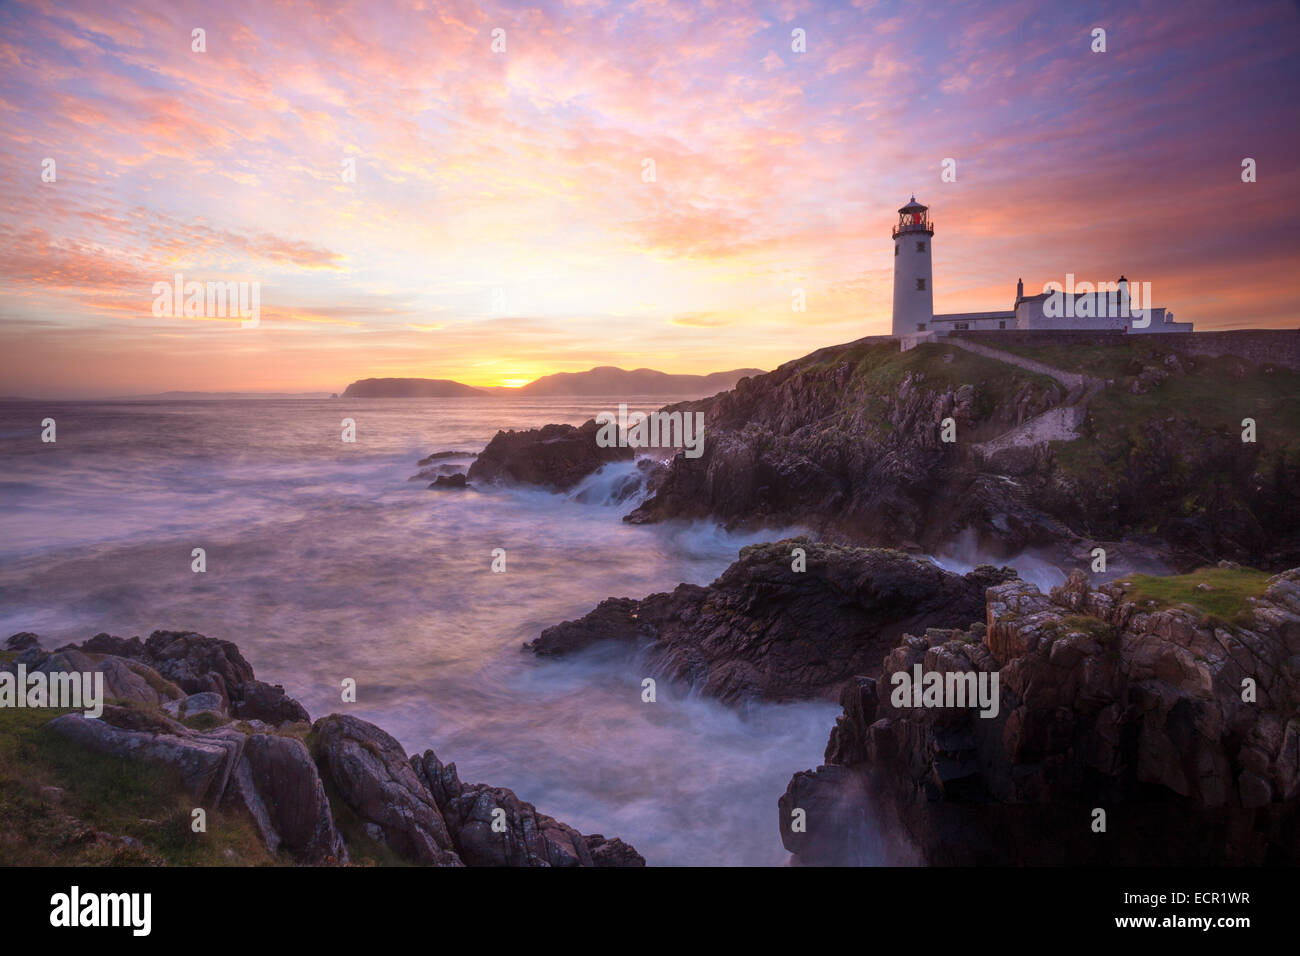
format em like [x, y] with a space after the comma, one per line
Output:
[913, 277]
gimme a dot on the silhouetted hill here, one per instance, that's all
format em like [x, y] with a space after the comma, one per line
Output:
[609, 380]
[411, 388]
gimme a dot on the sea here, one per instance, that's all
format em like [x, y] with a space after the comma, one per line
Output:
[325, 561]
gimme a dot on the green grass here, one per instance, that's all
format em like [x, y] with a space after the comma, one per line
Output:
[100, 793]
[1206, 404]
[998, 380]
[1224, 603]
[1116, 361]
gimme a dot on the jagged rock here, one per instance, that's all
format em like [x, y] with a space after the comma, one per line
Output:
[765, 629]
[372, 774]
[612, 852]
[557, 456]
[529, 838]
[197, 663]
[1102, 703]
[845, 442]
[117, 646]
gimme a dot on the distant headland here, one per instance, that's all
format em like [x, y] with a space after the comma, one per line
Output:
[603, 380]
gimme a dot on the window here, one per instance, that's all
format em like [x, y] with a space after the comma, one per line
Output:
[920, 285]
[895, 248]
[920, 247]
[961, 325]
[920, 326]
[1002, 323]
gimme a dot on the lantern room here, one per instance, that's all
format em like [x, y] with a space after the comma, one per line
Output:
[914, 217]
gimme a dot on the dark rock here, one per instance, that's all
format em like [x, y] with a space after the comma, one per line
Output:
[372, 774]
[1102, 704]
[278, 785]
[439, 455]
[117, 646]
[764, 629]
[257, 700]
[556, 456]
[445, 482]
[523, 836]
[22, 641]
[197, 663]
[612, 852]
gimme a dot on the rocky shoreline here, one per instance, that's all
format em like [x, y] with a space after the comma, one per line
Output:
[1181, 727]
[190, 705]
[1128, 729]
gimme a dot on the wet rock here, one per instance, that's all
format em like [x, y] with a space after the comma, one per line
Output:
[555, 456]
[764, 629]
[448, 482]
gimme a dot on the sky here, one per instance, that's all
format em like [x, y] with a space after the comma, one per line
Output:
[646, 184]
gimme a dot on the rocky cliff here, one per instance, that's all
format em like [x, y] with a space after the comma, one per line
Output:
[1127, 733]
[847, 441]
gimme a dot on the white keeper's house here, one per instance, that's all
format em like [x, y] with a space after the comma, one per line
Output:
[1107, 308]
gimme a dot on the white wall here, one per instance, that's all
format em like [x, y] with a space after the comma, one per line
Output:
[912, 307]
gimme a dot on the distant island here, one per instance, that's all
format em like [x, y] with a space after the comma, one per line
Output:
[604, 380]
[411, 388]
[609, 380]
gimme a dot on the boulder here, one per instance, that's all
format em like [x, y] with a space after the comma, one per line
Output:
[258, 700]
[197, 663]
[277, 784]
[449, 482]
[372, 774]
[202, 761]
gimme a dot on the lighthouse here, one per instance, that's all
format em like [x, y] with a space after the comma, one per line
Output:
[913, 276]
